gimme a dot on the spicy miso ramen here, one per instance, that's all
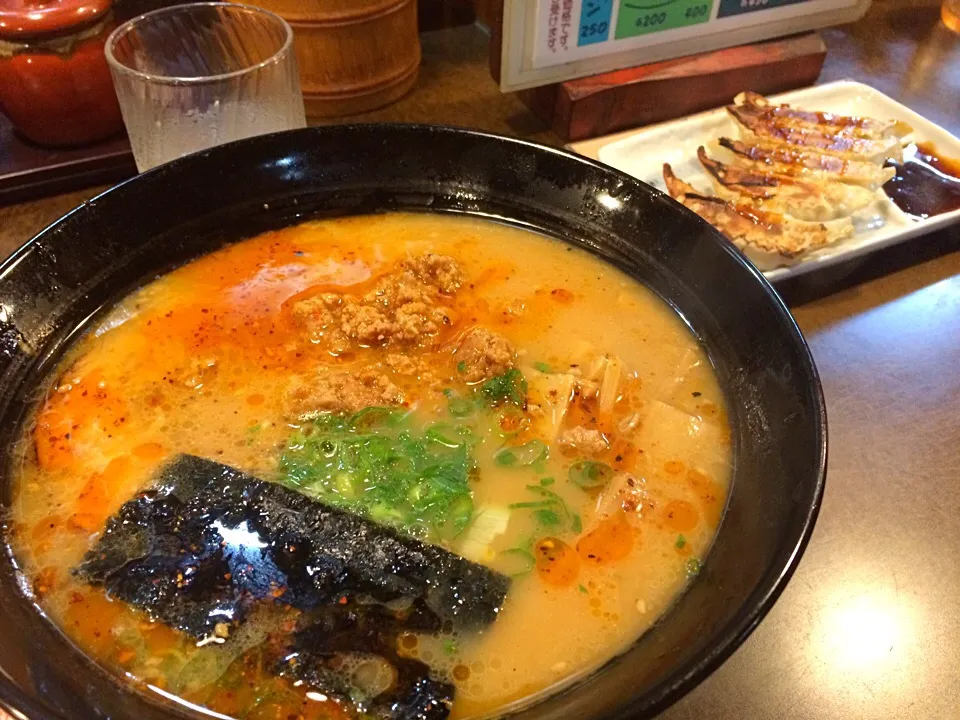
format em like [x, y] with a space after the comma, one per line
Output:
[390, 466]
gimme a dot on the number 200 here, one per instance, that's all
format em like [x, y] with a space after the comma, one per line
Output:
[653, 19]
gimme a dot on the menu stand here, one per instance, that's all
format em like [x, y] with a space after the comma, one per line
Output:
[601, 104]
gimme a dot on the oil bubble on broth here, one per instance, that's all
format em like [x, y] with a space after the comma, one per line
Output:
[391, 398]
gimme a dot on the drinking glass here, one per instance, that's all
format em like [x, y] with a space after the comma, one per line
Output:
[189, 77]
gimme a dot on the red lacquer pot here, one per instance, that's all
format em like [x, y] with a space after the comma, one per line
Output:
[55, 85]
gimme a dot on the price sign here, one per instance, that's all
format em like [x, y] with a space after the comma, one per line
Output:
[552, 40]
[638, 17]
[595, 16]
[738, 7]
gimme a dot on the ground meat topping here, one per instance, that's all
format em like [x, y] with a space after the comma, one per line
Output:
[369, 325]
[481, 354]
[343, 391]
[412, 368]
[403, 364]
[582, 440]
[406, 307]
[441, 271]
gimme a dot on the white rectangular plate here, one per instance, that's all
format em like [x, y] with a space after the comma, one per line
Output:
[643, 152]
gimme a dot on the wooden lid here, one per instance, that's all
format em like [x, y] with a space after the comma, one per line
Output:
[20, 19]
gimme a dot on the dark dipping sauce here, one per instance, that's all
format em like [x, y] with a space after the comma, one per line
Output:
[926, 183]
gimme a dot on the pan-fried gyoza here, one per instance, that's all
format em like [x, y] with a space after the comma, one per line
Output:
[795, 180]
[805, 199]
[767, 156]
[760, 233]
[844, 125]
[758, 123]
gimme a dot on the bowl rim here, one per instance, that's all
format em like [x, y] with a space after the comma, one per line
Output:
[689, 674]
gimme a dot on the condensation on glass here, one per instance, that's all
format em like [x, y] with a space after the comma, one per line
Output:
[194, 76]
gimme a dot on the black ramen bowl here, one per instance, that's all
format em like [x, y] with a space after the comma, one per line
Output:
[54, 286]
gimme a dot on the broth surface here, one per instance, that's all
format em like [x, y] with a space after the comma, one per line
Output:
[600, 489]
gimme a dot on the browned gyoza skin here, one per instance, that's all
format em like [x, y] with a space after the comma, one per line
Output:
[805, 199]
[854, 126]
[753, 229]
[852, 138]
[768, 156]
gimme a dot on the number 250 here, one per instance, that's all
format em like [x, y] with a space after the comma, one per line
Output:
[593, 29]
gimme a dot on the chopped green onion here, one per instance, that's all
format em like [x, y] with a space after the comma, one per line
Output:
[582, 589]
[450, 647]
[456, 517]
[458, 406]
[559, 507]
[461, 367]
[546, 481]
[445, 434]
[522, 455]
[343, 485]
[693, 567]
[377, 464]
[371, 417]
[588, 474]
[510, 387]
[515, 562]
[547, 517]
[542, 367]
[543, 492]
[511, 421]
[529, 505]
[386, 515]
[681, 542]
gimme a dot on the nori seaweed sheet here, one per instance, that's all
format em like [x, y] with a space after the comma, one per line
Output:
[339, 631]
[208, 541]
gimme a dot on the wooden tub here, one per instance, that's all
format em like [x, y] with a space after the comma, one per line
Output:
[353, 55]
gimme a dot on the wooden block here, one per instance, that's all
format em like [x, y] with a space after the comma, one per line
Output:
[601, 104]
[493, 18]
[487, 12]
[28, 171]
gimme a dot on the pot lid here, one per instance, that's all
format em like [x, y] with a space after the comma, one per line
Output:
[26, 18]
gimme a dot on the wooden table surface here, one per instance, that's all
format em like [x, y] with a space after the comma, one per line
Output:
[869, 627]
